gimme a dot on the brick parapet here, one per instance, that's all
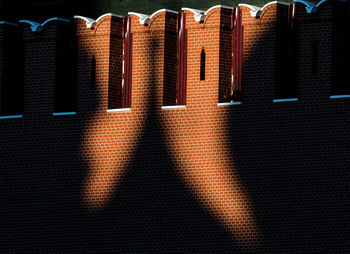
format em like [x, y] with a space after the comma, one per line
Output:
[260, 36]
[40, 53]
[315, 30]
[101, 43]
[9, 35]
[154, 60]
[209, 36]
[202, 178]
[261, 27]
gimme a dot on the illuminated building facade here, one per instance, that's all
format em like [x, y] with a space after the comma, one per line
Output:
[217, 131]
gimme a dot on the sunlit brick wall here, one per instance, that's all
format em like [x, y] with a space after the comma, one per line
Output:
[210, 176]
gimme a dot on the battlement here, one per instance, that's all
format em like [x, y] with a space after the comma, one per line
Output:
[217, 131]
[231, 51]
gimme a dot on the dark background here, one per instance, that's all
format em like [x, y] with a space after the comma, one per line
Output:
[293, 159]
[40, 10]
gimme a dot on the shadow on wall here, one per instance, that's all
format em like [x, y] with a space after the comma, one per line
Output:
[151, 210]
[290, 158]
[293, 157]
[40, 10]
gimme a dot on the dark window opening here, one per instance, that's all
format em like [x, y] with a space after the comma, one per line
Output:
[181, 61]
[119, 79]
[93, 72]
[314, 57]
[237, 56]
[115, 74]
[127, 64]
[66, 60]
[12, 74]
[286, 64]
[202, 71]
[120, 69]
[341, 85]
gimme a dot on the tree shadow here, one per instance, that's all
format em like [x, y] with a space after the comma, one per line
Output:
[292, 157]
[42, 176]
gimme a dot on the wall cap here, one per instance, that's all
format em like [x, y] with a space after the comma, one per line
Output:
[173, 107]
[199, 15]
[232, 103]
[91, 23]
[285, 100]
[311, 7]
[64, 113]
[339, 96]
[256, 11]
[11, 117]
[37, 27]
[8, 23]
[118, 110]
[145, 19]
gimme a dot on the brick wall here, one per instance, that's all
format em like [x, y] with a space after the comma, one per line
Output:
[205, 177]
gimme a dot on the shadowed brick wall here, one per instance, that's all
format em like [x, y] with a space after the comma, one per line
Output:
[205, 177]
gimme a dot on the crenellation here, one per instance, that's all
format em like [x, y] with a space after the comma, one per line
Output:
[316, 28]
[11, 69]
[302, 30]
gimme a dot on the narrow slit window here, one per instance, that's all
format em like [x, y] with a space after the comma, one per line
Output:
[93, 72]
[127, 64]
[286, 64]
[66, 85]
[119, 83]
[12, 75]
[237, 56]
[341, 42]
[202, 71]
[117, 71]
[314, 57]
[181, 61]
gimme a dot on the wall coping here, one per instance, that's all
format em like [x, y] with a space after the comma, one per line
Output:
[64, 113]
[232, 103]
[256, 11]
[91, 23]
[174, 107]
[37, 27]
[8, 23]
[145, 19]
[199, 15]
[118, 110]
[11, 117]
[311, 7]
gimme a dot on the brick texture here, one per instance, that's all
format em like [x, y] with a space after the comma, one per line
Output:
[259, 177]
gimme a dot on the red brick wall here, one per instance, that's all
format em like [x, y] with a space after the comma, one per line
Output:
[201, 178]
[104, 41]
[315, 28]
[40, 67]
[260, 51]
